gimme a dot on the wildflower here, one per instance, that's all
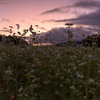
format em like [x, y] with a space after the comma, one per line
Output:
[78, 61]
[68, 80]
[97, 83]
[34, 80]
[19, 33]
[80, 86]
[9, 72]
[25, 70]
[33, 65]
[68, 71]
[17, 26]
[32, 71]
[89, 56]
[10, 30]
[74, 68]
[20, 89]
[61, 85]
[62, 77]
[72, 87]
[10, 26]
[84, 97]
[9, 67]
[81, 76]
[98, 71]
[47, 82]
[56, 92]
[82, 64]
[26, 95]
[91, 80]
[22, 49]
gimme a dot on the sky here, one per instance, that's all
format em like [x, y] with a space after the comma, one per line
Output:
[51, 17]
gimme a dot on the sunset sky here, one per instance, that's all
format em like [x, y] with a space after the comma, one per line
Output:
[51, 16]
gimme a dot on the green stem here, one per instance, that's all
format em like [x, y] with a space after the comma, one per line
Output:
[87, 83]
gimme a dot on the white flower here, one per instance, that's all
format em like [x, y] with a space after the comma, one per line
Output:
[82, 64]
[84, 97]
[68, 80]
[74, 68]
[62, 77]
[25, 70]
[61, 85]
[98, 71]
[9, 72]
[80, 86]
[68, 71]
[81, 76]
[46, 81]
[20, 89]
[72, 87]
[34, 80]
[91, 80]
[78, 61]
[26, 95]
[89, 56]
[32, 71]
[22, 49]
[9, 67]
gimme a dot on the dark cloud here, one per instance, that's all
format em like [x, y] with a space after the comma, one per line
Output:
[42, 28]
[80, 4]
[91, 19]
[50, 20]
[87, 4]
[36, 19]
[56, 34]
[55, 10]
[23, 20]
[7, 20]
[5, 4]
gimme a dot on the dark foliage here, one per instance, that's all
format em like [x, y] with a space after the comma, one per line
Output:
[65, 43]
[90, 39]
[13, 39]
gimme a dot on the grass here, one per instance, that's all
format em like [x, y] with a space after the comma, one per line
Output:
[49, 73]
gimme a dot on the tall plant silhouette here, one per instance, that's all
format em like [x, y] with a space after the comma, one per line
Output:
[70, 35]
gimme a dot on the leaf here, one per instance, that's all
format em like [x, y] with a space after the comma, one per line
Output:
[21, 71]
[76, 80]
[77, 93]
[44, 95]
[32, 86]
[13, 79]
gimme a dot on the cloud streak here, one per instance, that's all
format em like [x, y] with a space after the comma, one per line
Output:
[91, 19]
[80, 4]
[87, 4]
[55, 10]
[6, 20]
[42, 28]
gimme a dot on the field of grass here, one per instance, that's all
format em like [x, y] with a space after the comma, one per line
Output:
[49, 73]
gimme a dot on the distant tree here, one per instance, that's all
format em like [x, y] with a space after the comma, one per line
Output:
[90, 39]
